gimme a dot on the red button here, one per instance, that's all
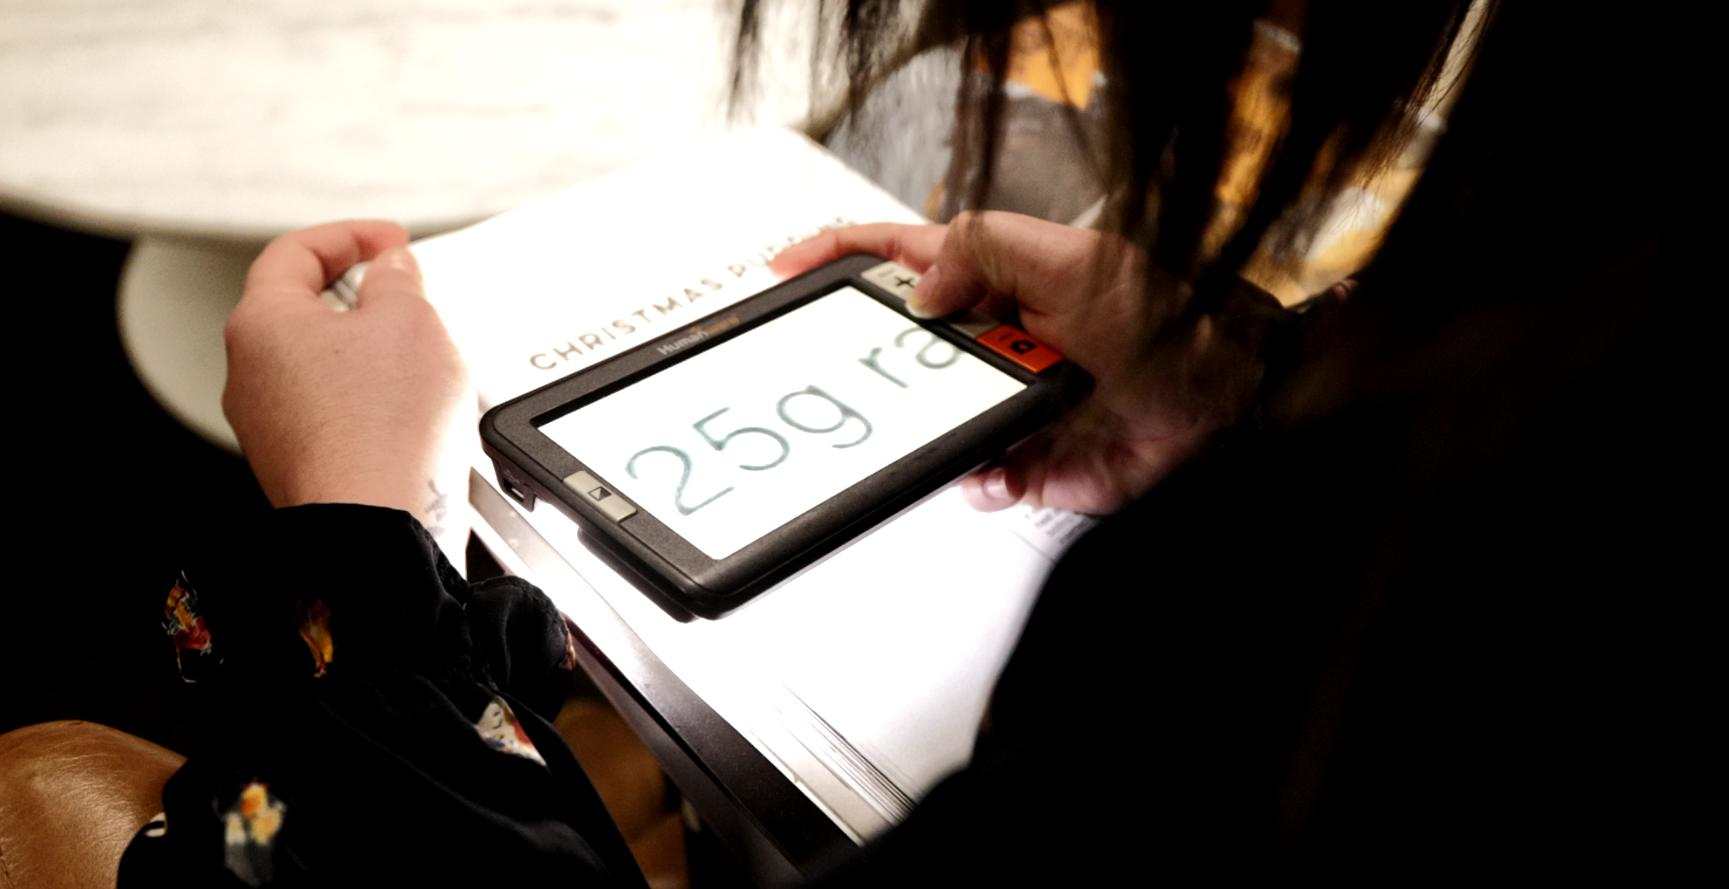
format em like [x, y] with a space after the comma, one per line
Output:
[1016, 345]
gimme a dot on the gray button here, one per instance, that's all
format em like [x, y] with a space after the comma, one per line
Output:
[900, 281]
[893, 277]
[974, 323]
[610, 502]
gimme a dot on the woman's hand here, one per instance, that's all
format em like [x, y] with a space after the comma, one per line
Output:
[1158, 392]
[367, 406]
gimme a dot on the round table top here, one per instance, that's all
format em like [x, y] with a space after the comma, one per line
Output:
[241, 119]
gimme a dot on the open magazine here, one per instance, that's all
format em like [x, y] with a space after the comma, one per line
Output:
[864, 676]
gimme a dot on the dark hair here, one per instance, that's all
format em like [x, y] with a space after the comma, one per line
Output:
[1171, 67]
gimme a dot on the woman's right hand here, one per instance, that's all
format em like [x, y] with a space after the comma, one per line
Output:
[1157, 393]
[368, 406]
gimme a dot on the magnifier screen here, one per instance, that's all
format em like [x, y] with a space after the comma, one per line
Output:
[727, 446]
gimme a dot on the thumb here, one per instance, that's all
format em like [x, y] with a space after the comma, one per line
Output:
[391, 277]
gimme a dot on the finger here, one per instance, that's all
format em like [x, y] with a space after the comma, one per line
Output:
[1043, 266]
[301, 264]
[992, 489]
[1011, 478]
[914, 246]
[391, 277]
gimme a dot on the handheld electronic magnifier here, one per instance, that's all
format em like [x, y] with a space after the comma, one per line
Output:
[720, 458]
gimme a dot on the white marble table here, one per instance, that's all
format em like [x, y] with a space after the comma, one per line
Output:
[202, 128]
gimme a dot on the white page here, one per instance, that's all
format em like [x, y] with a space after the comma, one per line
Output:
[556, 285]
[879, 659]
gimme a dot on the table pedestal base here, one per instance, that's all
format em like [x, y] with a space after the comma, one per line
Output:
[175, 296]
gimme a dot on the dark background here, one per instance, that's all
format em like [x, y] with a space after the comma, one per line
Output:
[111, 492]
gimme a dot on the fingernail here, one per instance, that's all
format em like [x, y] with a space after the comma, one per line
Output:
[997, 484]
[919, 304]
[398, 259]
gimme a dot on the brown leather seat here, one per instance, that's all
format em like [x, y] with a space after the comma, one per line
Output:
[72, 794]
[632, 786]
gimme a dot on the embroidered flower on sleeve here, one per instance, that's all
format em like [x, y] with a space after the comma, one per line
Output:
[185, 626]
[315, 632]
[568, 662]
[249, 831]
[501, 731]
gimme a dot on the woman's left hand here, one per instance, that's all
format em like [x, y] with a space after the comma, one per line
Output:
[1158, 391]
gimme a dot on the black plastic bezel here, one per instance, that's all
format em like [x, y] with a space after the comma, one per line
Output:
[678, 575]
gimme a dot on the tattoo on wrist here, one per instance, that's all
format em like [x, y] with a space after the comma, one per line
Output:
[436, 510]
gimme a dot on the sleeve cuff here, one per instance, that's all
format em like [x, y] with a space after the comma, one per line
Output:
[312, 589]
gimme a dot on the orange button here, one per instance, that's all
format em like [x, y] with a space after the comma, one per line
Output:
[1014, 344]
